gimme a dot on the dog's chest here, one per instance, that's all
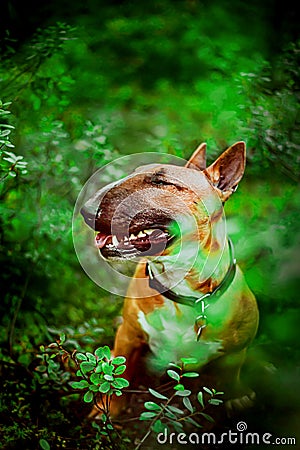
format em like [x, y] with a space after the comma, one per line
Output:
[172, 336]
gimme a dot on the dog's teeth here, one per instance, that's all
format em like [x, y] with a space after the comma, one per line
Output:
[125, 239]
[141, 234]
[148, 231]
[115, 241]
[132, 236]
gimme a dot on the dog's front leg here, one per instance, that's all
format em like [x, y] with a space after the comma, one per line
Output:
[129, 343]
[237, 396]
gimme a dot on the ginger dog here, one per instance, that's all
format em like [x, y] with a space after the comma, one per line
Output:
[188, 298]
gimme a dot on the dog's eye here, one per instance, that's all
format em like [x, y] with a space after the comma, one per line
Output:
[159, 181]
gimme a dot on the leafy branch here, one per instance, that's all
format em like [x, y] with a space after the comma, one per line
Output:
[10, 163]
[164, 414]
[99, 379]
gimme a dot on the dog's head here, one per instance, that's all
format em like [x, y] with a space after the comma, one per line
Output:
[137, 215]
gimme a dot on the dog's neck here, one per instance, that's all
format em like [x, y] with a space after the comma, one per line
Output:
[205, 275]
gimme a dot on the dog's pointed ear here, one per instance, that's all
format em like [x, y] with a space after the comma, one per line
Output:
[198, 158]
[226, 172]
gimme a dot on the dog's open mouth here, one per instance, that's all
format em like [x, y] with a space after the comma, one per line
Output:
[147, 242]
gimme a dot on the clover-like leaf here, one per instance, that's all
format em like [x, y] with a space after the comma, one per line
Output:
[107, 368]
[104, 387]
[99, 352]
[88, 397]
[96, 378]
[82, 384]
[120, 383]
[86, 367]
[119, 370]
[118, 360]
[106, 352]
[91, 357]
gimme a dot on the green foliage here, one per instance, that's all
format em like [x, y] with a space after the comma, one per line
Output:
[171, 415]
[115, 82]
[10, 164]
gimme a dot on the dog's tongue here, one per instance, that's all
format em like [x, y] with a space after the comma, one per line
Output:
[101, 239]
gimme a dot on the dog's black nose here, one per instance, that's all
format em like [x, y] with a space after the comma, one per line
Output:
[89, 217]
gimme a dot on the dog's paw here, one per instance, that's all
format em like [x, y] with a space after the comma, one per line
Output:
[237, 405]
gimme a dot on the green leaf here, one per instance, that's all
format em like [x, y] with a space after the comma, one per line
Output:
[99, 352]
[179, 387]
[207, 390]
[152, 406]
[106, 352]
[87, 367]
[88, 397]
[157, 394]
[187, 404]
[107, 368]
[80, 357]
[94, 387]
[99, 368]
[215, 401]
[189, 360]
[95, 378]
[62, 338]
[147, 415]
[119, 370]
[174, 409]
[109, 377]
[171, 415]
[82, 384]
[193, 422]
[41, 369]
[173, 374]
[178, 426]
[207, 417]
[191, 374]
[158, 426]
[175, 365]
[200, 398]
[44, 444]
[104, 387]
[91, 357]
[184, 393]
[119, 360]
[120, 383]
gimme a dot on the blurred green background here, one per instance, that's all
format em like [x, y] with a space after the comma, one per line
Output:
[90, 81]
